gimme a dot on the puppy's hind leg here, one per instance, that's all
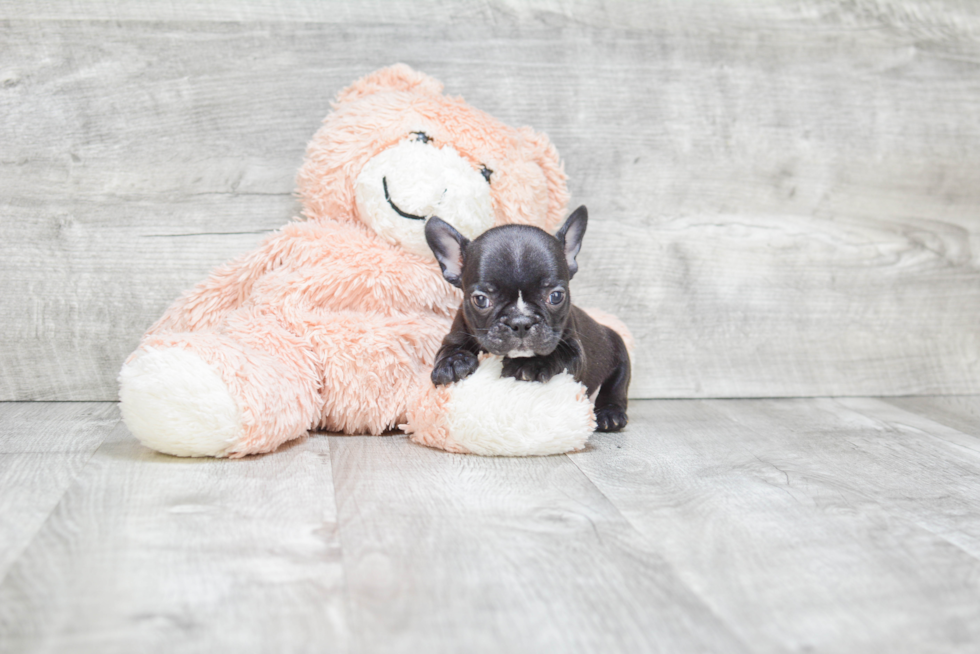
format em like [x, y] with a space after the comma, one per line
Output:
[610, 403]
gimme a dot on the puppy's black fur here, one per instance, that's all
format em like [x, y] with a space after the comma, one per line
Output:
[516, 304]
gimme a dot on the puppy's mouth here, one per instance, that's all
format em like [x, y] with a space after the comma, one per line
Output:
[540, 341]
[403, 214]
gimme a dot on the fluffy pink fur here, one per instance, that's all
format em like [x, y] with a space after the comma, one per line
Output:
[326, 325]
[427, 422]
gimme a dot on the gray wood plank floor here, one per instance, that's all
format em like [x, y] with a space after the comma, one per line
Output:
[805, 525]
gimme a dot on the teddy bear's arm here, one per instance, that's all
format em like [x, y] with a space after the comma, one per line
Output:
[209, 302]
[227, 287]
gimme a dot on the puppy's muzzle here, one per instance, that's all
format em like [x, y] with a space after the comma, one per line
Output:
[520, 325]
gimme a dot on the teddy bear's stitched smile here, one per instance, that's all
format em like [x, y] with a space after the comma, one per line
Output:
[384, 183]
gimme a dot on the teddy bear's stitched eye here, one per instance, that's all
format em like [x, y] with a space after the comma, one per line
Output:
[421, 137]
[556, 297]
[486, 172]
[480, 301]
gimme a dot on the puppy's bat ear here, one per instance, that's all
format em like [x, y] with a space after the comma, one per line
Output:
[448, 246]
[570, 236]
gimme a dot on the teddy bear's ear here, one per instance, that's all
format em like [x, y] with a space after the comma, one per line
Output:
[543, 153]
[393, 78]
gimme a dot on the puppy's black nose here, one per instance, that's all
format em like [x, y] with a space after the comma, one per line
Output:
[520, 324]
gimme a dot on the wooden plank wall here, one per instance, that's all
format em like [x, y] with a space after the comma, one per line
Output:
[785, 196]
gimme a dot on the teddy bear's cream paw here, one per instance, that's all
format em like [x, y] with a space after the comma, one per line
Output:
[499, 416]
[175, 403]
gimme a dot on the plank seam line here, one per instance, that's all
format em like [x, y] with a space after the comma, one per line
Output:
[960, 448]
[895, 401]
[930, 434]
[258, 231]
[722, 621]
[353, 635]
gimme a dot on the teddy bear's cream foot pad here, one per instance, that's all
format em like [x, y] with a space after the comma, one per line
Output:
[491, 415]
[173, 402]
[523, 418]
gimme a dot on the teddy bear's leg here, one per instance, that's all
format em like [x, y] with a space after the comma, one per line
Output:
[244, 391]
[174, 402]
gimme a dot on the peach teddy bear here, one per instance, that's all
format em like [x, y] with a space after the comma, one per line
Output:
[334, 321]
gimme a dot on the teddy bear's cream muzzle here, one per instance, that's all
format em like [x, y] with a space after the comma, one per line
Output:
[401, 187]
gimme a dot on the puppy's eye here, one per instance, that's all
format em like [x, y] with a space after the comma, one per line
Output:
[556, 297]
[421, 137]
[480, 301]
[486, 172]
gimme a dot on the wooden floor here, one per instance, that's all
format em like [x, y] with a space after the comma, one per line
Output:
[818, 525]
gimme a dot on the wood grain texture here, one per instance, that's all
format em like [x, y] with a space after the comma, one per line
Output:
[149, 553]
[783, 194]
[961, 412]
[807, 525]
[43, 447]
[450, 553]
[770, 509]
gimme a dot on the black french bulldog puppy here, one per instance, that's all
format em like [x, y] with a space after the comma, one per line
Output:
[517, 304]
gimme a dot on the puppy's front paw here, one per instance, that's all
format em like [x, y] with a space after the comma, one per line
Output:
[610, 418]
[454, 368]
[529, 369]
